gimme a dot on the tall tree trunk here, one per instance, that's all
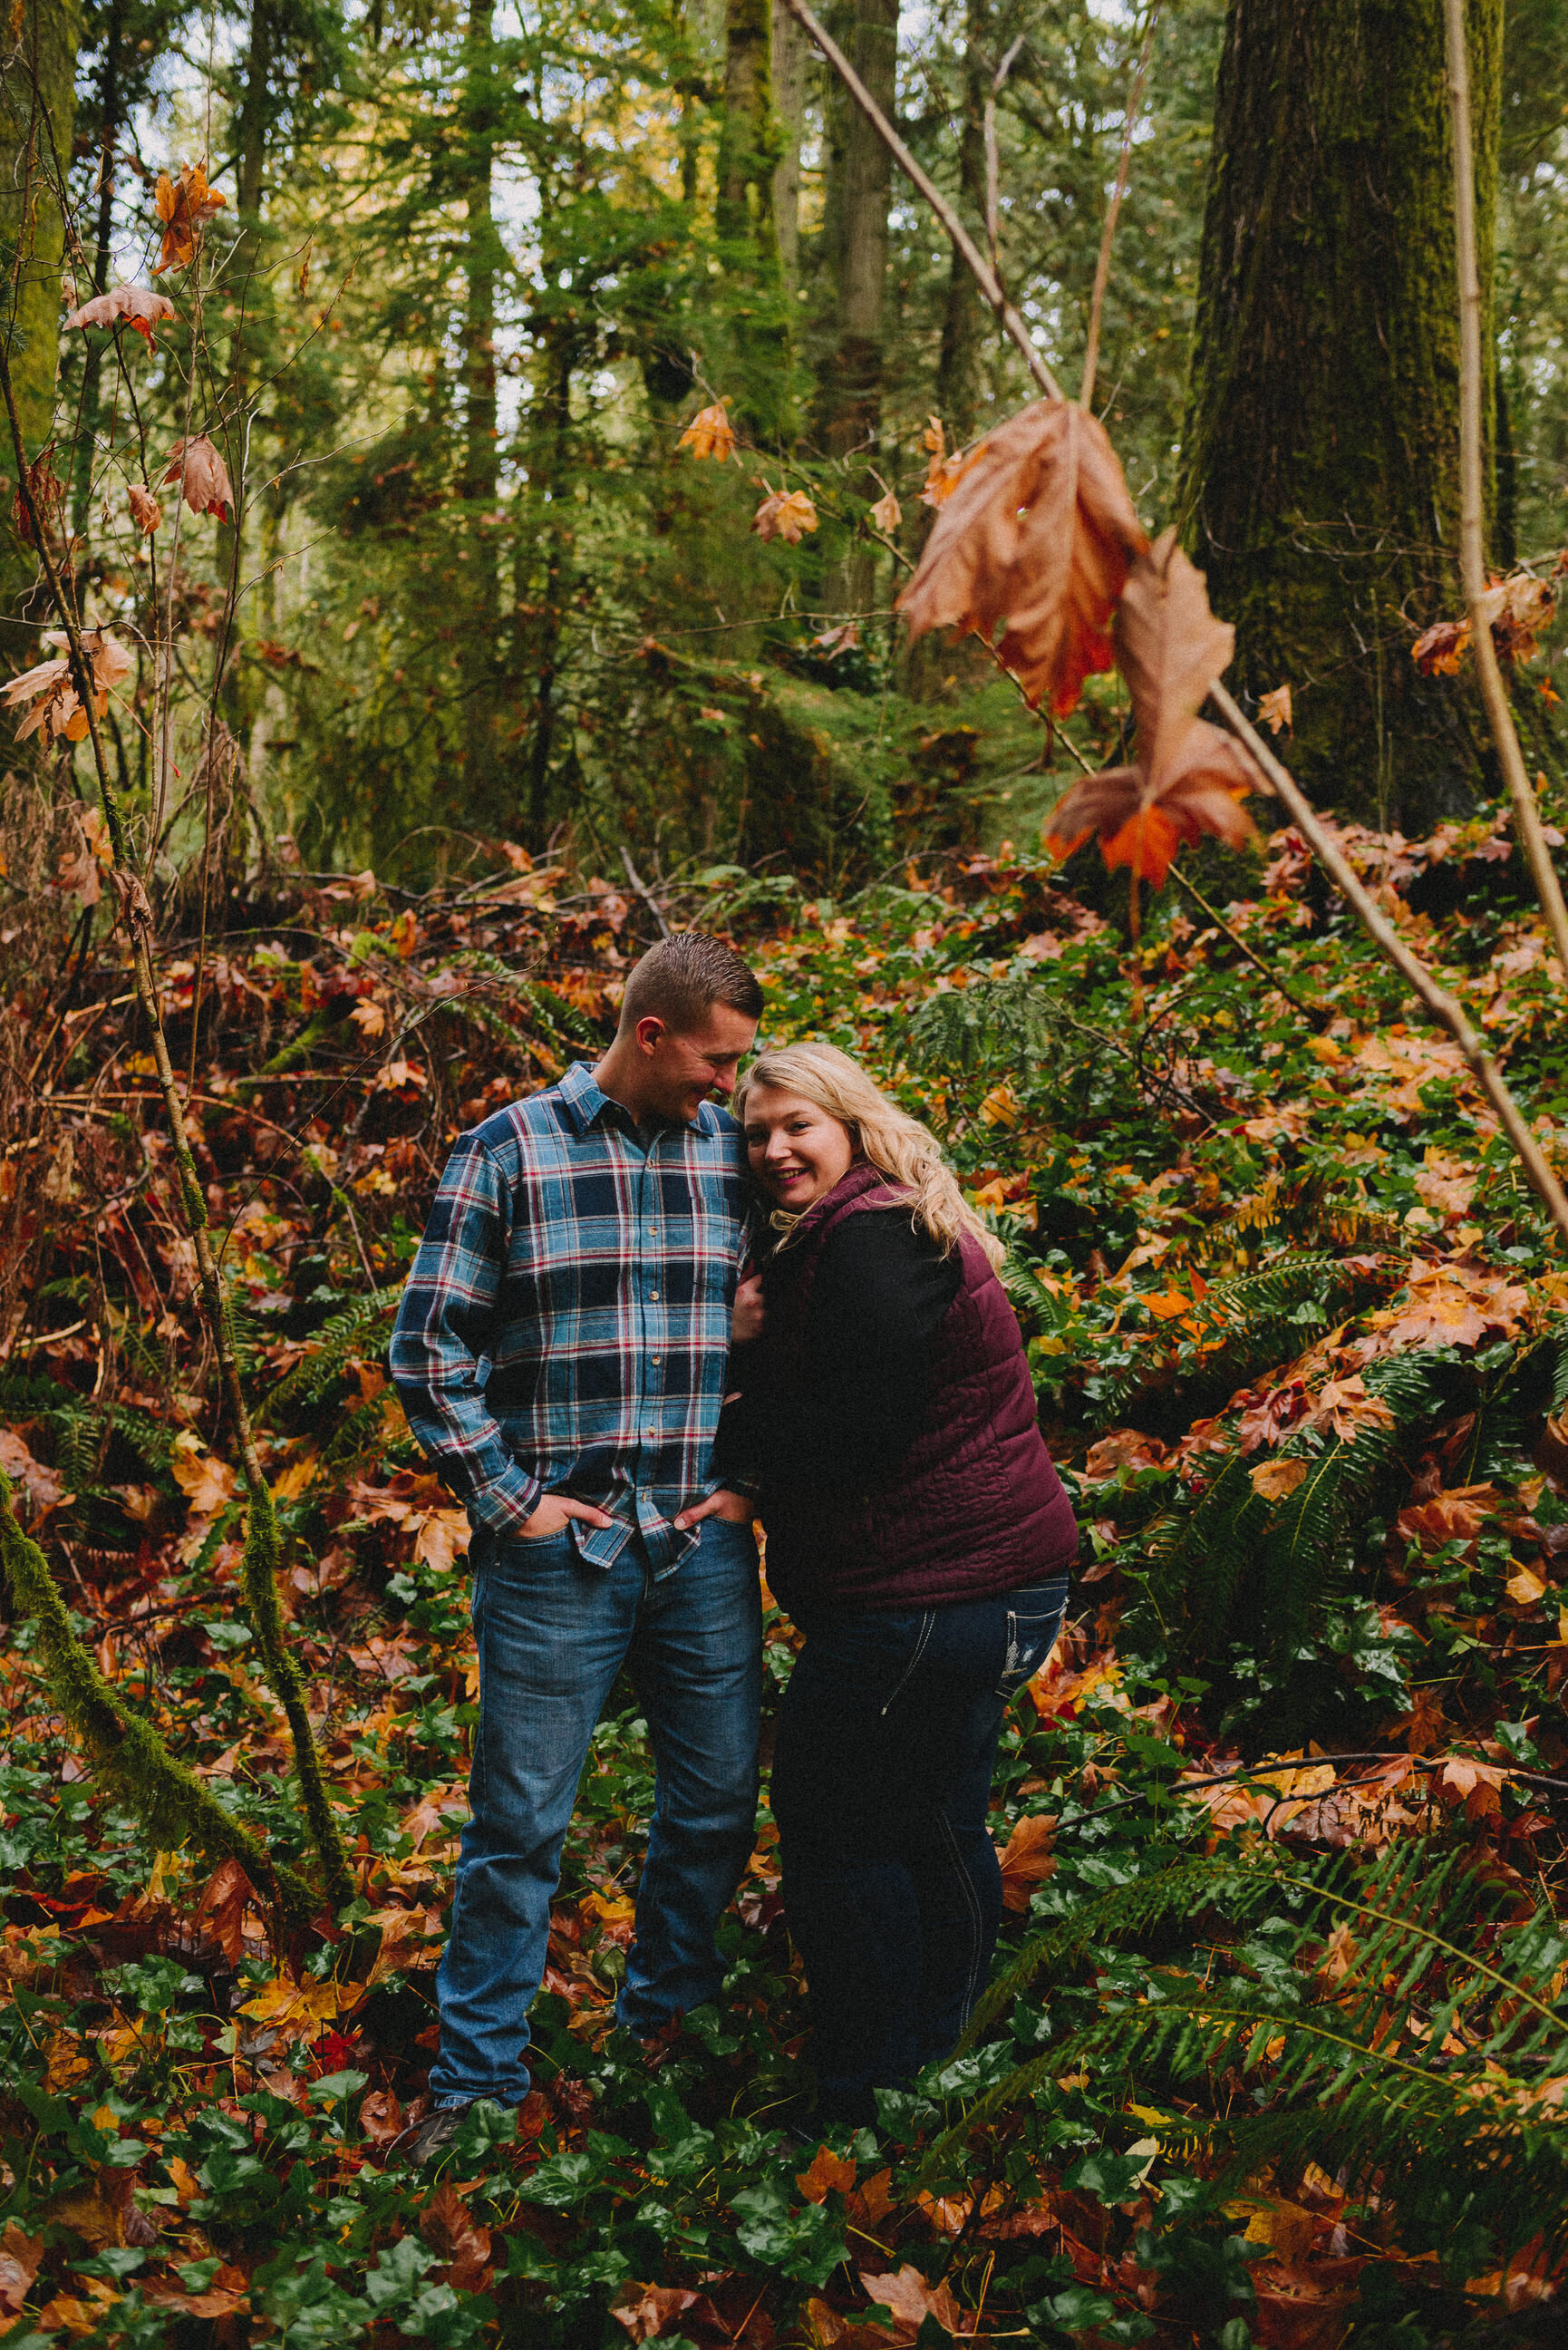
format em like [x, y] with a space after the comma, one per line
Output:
[479, 481]
[37, 112]
[963, 317]
[790, 62]
[557, 582]
[109, 87]
[1320, 465]
[851, 404]
[747, 232]
[250, 293]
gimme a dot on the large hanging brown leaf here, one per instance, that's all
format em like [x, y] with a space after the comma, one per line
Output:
[202, 476]
[134, 304]
[1188, 777]
[1039, 534]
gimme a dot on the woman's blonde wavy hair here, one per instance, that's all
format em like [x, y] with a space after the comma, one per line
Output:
[906, 1152]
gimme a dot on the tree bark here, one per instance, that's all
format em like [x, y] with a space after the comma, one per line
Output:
[1320, 463]
[963, 313]
[743, 218]
[791, 63]
[37, 112]
[852, 387]
[479, 481]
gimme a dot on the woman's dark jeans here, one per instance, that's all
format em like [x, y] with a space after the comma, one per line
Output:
[881, 1784]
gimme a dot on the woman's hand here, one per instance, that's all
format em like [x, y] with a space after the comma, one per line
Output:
[734, 1508]
[750, 1312]
[556, 1510]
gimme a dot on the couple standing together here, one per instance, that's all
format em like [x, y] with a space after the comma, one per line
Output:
[581, 1355]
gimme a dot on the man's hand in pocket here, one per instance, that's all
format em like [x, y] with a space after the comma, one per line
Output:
[734, 1508]
[556, 1510]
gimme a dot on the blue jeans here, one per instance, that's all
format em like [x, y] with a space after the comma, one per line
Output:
[552, 1633]
[881, 1786]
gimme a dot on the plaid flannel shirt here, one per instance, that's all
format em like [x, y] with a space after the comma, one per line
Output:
[566, 1325]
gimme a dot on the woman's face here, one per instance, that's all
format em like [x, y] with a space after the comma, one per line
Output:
[797, 1151]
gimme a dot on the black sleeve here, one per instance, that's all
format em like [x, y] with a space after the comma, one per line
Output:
[880, 1292]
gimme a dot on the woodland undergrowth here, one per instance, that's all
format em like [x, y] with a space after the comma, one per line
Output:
[1277, 2046]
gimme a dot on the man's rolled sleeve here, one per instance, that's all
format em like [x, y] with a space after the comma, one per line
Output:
[438, 1353]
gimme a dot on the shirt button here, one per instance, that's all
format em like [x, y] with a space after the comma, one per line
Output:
[653, 1292]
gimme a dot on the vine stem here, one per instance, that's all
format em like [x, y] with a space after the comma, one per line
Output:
[985, 276]
[1473, 554]
[262, 1544]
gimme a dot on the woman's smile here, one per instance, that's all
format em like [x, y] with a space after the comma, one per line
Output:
[796, 1151]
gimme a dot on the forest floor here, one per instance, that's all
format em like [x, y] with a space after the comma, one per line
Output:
[1283, 2054]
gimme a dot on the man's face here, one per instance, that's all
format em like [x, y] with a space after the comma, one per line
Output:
[678, 1072]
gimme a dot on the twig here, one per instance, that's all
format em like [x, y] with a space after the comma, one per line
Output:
[985, 276]
[1472, 557]
[1103, 265]
[992, 160]
[644, 892]
[1313, 1011]
[1444, 1007]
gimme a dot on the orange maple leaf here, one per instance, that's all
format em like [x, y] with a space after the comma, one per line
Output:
[784, 514]
[184, 205]
[1188, 777]
[709, 434]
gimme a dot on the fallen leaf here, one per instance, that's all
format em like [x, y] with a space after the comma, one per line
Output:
[1028, 1859]
[222, 1909]
[912, 2301]
[1346, 1407]
[450, 2230]
[207, 1483]
[19, 2257]
[202, 476]
[1274, 1479]
[184, 204]
[646, 2311]
[826, 2172]
[1525, 1586]
[709, 434]
[134, 304]
[1039, 534]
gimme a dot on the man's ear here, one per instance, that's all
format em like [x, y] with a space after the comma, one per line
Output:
[648, 1031]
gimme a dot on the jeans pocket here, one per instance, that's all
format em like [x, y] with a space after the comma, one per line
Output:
[1030, 1637]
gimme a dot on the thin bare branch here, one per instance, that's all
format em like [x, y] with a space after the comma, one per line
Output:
[1103, 265]
[1472, 553]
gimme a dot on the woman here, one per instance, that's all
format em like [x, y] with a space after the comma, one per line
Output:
[920, 1539]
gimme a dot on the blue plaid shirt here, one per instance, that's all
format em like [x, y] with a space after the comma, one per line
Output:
[567, 1322]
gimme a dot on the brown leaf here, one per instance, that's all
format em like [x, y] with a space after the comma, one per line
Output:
[784, 514]
[1346, 1406]
[380, 2116]
[145, 510]
[207, 1483]
[134, 304]
[911, 2299]
[450, 2230]
[1038, 534]
[648, 2311]
[1274, 1479]
[826, 2171]
[202, 476]
[1439, 650]
[184, 206]
[886, 514]
[43, 1489]
[1517, 610]
[1449, 1305]
[1274, 709]
[19, 2257]
[222, 1909]
[1457, 1514]
[709, 434]
[1189, 776]
[48, 497]
[1028, 1861]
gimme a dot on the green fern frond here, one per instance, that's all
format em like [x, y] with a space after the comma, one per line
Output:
[356, 1331]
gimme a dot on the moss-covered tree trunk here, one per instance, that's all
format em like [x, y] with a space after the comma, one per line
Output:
[743, 217]
[1320, 465]
[37, 112]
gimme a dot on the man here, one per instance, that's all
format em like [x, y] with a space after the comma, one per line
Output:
[560, 1352]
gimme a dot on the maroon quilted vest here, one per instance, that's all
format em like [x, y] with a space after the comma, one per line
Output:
[975, 1507]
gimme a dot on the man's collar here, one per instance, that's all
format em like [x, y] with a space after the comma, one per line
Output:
[586, 1103]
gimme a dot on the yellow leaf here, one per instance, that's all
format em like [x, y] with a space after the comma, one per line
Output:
[1525, 1587]
[1274, 1479]
[709, 434]
[296, 1478]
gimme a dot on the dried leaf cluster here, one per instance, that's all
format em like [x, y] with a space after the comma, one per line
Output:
[784, 514]
[57, 713]
[1517, 610]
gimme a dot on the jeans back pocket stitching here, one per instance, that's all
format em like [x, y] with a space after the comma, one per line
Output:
[928, 1625]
